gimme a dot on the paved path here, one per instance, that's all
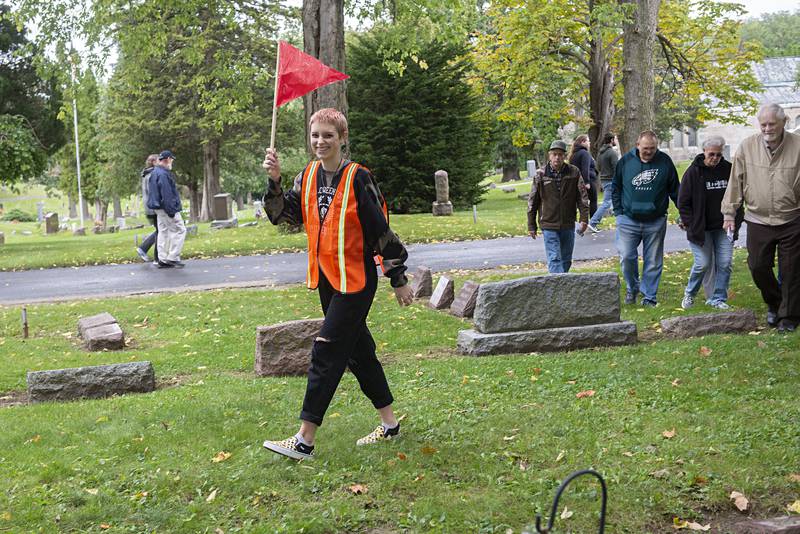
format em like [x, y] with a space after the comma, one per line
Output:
[279, 269]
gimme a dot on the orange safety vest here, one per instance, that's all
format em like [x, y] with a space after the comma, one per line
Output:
[335, 245]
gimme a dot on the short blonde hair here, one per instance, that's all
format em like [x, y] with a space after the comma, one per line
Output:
[151, 160]
[331, 116]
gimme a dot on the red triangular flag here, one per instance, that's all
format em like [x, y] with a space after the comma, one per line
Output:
[299, 73]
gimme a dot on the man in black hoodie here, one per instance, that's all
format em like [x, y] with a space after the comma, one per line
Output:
[699, 201]
[644, 181]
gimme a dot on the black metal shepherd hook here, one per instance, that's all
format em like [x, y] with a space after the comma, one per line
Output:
[561, 489]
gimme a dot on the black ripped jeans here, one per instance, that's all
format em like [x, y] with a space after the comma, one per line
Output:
[348, 344]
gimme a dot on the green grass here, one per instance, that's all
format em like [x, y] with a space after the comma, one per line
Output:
[501, 214]
[486, 440]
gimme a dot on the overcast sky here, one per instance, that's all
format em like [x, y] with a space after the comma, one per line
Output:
[756, 8]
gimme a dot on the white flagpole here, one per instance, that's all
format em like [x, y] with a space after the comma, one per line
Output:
[77, 146]
[275, 98]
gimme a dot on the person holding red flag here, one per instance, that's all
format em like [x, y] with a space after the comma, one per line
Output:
[344, 215]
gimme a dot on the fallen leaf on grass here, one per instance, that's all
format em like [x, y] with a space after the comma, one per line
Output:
[794, 507]
[587, 393]
[420, 477]
[358, 489]
[699, 480]
[794, 477]
[509, 438]
[401, 456]
[705, 351]
[661, 473]
[427, 449]
[5, 516]
[105, 526]
[212, 496]
[676, 382]
[566, 513]
[628, 454]
[221, 456]
[561, 455]
[92, 491]
[739, 500]
[677, 524]
[669, 434]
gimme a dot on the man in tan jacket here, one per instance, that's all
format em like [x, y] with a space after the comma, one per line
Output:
[766, 178]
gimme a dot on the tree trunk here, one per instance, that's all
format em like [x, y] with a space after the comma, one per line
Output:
[86, 215]
[509, 157]
[638, 72]
[73, 208]
[117, 208]
[240, 202]
[211, 185]
[100, 212]
[195, 200]
[323, 38]
[601, 89]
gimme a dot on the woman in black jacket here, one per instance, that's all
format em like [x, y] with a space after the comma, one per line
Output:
[581, 158]
[699, 200]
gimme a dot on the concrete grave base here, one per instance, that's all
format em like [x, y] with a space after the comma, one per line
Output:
[709, 323]
[473, 343]
[226, 223]
[91, 382]
[285, 348]
[442, 209]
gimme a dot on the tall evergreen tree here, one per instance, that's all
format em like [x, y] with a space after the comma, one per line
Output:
[406, 127]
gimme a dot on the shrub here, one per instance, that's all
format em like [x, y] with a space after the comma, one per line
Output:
[18, 215]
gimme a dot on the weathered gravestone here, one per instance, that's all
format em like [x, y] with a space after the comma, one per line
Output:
[442, 205]
[105, 337]
[285, 348]
[547, 313]
[79, 231]
[40, 212]
[422, 283]
[258, 209]
[547, 302]
[51, 223]
[223, 212]
[93, 321]
[777, 525]
[709, 323]
[91, 382]
[191, 230]
[443, 294]
[530, 165]
[464, 303]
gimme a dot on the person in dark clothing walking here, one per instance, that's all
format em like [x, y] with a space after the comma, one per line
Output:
[556, 193]
[164, 200]
[583, 160]
[151, 239]
[644, 182]
[606, 164]
[345, 219]
[699, 201]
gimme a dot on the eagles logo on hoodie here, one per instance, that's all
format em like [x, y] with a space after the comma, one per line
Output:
[644, 178]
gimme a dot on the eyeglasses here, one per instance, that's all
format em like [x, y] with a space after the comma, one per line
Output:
[714, 154]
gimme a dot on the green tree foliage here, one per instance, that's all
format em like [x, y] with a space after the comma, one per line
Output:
[778, 33]
[29, 104]
[405, 128]
[531, 48]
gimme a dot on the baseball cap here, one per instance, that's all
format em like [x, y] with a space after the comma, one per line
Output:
[558, 145]
[166, 154]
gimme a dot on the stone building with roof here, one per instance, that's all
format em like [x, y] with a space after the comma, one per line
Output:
[779, 80]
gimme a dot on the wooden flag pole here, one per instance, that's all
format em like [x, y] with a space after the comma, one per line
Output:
[275, 98]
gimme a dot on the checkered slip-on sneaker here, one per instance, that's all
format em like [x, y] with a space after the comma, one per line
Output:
[292, 448]
[380, 434]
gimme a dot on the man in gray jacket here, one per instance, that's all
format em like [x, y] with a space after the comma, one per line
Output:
[607, 159]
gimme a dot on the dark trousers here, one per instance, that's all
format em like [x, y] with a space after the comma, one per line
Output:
[762, 241]
[150, 240]
[592, 194]
[348, 344]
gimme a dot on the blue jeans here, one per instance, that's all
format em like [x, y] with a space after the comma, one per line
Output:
[718, 246]
[650, 234]
[608, 190]
[558, 245]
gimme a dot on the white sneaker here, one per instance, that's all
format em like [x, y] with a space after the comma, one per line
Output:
[687, 302]
[593, 229]
[720, 305]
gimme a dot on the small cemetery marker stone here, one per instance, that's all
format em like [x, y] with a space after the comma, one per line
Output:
[93, 321]
[284, 349]
[777, 525]
[709, 323]
[464, 304]
[51, 223]
[105, 337]
[443, 294]
[422, 283]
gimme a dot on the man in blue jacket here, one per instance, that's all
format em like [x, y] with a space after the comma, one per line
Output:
[164, 200]
[644, 181]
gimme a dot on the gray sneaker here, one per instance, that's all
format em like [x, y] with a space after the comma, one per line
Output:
[594, 229]
[687, 302]
[720, 305]
[142, 254]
